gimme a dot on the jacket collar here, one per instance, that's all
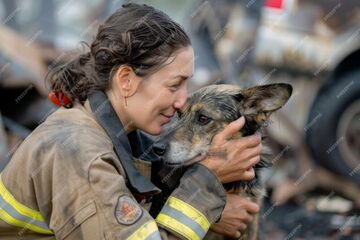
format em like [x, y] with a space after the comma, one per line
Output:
[107, 118]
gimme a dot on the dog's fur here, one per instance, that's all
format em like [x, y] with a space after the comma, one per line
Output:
[207, 112]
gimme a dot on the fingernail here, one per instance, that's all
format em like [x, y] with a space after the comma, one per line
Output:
[240, 120]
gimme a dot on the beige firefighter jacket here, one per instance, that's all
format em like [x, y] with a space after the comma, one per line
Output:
[65, 181]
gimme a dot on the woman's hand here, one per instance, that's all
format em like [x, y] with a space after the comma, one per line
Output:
[233, 159]
[236, 215]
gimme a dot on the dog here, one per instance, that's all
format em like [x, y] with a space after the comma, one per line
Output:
[206, 113]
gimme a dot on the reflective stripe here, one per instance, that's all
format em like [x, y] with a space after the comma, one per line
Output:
[179, 216]
[154, 236]
[189, 211]
[148, 231]
[22, 209]
[183, 218]
[177, 226]
[17, 214]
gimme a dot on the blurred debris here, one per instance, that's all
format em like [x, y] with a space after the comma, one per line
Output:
[18, 49]
[294, 221]
[334, 204]
[16, 128]
[346, 224]
[319, 179]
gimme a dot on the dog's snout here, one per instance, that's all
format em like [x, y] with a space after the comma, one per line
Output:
[159, 149]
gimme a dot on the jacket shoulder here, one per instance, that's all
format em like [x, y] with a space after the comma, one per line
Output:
[68, 137]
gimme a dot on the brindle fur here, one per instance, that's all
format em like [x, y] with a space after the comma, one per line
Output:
[223, 104]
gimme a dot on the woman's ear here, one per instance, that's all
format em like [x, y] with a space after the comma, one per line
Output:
[126, 81]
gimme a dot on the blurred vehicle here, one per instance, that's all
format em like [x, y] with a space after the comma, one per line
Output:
[314, 45]
[320, 40]
[22, 102]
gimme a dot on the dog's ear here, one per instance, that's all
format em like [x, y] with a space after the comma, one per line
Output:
[259, 102]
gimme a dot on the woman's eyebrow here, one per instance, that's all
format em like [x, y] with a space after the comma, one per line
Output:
[183, 76]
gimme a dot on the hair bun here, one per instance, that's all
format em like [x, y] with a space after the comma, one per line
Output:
[102, 56]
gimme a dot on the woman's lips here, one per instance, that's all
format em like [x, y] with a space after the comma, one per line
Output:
[166, 118]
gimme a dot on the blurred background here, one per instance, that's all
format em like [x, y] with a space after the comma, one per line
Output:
[314, 184]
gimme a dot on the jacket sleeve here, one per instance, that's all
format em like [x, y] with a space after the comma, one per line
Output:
[114, 213]
[194, 205]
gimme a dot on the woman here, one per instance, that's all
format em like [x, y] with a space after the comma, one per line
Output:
[84, 172]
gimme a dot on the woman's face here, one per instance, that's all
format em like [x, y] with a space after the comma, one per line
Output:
[159, 96]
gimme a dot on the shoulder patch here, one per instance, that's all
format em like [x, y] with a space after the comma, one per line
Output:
[127, 210]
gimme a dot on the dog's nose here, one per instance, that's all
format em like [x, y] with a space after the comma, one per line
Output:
[159, 149]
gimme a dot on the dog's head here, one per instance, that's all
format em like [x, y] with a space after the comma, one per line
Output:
[208, 110]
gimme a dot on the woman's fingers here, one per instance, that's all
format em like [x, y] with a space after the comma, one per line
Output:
[236, 157]
[235, 223]
[226, 230]
[245, 142]
[242, 227]
[245, 155]
[230, 227]
[240, 168]
[251, 207]
[236, 215]
[248, 174]
[239, 204]
[230, 130]
[252, 162]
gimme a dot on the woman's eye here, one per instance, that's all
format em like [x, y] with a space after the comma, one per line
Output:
[203, 120]
[175, 87]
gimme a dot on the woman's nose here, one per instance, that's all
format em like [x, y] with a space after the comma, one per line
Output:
[181, 99]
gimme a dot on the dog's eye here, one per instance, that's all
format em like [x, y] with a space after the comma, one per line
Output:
[203, 120]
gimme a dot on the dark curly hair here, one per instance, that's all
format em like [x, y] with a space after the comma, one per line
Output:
[139, 36]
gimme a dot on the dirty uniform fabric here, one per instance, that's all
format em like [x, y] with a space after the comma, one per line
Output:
[79, 176]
